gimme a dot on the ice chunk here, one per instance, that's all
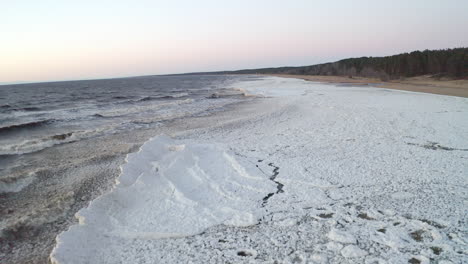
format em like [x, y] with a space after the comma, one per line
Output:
[352, 251]
[167, 189]
[341, 236]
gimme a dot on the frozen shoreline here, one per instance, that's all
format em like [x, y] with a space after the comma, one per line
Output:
[367, 175]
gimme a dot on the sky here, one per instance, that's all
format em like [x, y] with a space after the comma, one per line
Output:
[51, 40]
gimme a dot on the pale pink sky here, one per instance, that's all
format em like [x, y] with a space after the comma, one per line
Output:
[60, 40]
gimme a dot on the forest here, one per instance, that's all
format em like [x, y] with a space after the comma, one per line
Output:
[448, 63]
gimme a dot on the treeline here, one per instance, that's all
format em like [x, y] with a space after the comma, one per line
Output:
[451, 63]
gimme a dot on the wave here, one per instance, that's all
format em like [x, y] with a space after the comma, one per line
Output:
[178, 95]
[168, 188]
[152, 98]
[147, 98]
[16, 182]
[34, 145]
[62, 136]
[9, 108]
[122, 97]
[14, 127]
[133, 99]
[99, 115]
[29, 109]
[140, 108]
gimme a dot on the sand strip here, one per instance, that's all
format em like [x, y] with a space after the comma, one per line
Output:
[422, 84]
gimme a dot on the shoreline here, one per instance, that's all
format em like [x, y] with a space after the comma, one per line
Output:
[77, 173]
[323, 153]
[348, 164]
[421, 84]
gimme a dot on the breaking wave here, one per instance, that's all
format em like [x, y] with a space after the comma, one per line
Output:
[14, 127]
[37, 144]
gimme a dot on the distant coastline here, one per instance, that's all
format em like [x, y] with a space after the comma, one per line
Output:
[440, 64]
[422, 84]
[443, 72]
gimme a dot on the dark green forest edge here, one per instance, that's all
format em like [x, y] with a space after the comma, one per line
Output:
[447, 63]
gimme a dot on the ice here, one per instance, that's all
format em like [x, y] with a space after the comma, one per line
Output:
[341, 236]
[333, 246]
[352, 251]
[167, 189]
[308, 172]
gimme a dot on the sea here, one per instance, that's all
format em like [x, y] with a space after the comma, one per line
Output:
[61, 144]
[37, 116]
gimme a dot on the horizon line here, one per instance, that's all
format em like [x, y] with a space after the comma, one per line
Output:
[202, 72]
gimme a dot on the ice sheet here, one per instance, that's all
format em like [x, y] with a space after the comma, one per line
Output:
[318, 173]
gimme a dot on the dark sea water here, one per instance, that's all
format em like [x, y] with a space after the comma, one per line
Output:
[62, 144]
[37, 116]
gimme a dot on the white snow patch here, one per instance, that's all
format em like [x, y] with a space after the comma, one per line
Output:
[333, 246]
[352, 251]
[166, 190]
[341, 236]
[334, 164]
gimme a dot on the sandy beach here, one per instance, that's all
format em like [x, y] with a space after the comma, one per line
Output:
[304, 173]
[422, 84]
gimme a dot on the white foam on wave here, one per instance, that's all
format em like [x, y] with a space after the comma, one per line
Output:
[37, 144]
[167, 189]
[132, 109]
[272, 87]
[15, 183]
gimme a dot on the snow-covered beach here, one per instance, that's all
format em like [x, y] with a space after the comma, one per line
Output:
[307, 173]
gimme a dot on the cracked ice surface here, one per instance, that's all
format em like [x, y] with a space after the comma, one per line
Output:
[311, 173]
